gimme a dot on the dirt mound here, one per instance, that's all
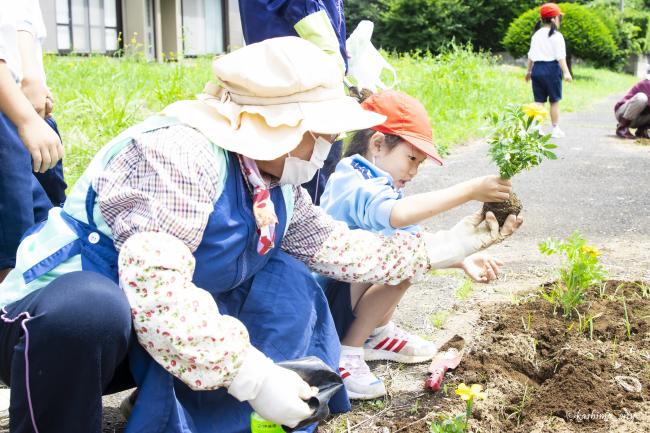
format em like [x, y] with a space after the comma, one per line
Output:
[545, 373]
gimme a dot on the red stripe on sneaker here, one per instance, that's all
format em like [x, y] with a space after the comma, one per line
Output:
[392, 343]
[401, 346]
[381, 343]
[345, 375]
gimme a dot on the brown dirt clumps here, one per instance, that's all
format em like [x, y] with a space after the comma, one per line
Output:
[544, 373]
[501, 210]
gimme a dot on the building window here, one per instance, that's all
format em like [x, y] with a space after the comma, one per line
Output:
[86, 26]
[203, 27]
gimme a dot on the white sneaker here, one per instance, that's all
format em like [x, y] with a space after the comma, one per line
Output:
[5, 393]
[557, 132]
[359, 381]
[394, 344]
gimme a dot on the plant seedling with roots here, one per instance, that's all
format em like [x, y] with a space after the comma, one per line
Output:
[516, 144]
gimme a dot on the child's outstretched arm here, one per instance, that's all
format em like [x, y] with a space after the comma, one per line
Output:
[40, 140]
[416, 208]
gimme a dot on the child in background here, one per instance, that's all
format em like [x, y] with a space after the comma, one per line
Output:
[365, 192]
[547, 63]
[28, 136]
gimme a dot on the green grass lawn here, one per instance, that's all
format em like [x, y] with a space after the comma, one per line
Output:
[97, 97]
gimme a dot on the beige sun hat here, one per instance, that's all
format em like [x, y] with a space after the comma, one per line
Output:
[269, 94]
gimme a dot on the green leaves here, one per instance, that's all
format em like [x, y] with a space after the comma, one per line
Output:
[516, 144]
[580, 270]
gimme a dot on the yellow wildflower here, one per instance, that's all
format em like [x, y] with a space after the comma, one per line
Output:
[592, 251]
[535, 111]
[469, 393]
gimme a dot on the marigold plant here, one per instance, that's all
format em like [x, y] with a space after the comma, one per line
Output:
[580, 270]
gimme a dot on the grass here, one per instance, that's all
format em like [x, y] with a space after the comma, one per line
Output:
[465, 290]
[97, 96]
[439, 318]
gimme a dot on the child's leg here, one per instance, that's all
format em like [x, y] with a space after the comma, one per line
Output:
[373, 307]
[555, 113]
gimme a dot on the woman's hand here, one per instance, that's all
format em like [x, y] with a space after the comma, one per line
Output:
[490, 189]
[481, 267]
[567, 77]
[529, 76]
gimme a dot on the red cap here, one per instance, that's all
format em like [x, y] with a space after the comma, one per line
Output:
[406, 117]
[550, 10]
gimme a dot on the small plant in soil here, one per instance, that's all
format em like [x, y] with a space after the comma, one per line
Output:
[460, 422]
[516, 144]
[579, 271]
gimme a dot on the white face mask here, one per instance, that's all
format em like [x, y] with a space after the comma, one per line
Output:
[298, 171]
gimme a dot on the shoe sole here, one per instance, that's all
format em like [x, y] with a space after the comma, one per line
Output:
[4, 419]
[383, 355]
[355, 396]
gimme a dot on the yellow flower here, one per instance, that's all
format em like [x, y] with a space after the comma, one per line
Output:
[469, 393]
[592, 251]
[535, 111]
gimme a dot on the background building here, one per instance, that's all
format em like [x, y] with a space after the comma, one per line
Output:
[160, 27]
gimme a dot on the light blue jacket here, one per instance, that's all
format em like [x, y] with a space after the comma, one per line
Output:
[362, 195]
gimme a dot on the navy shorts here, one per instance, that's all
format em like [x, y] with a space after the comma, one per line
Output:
[25, 196]
[547, 81]
[340, 302]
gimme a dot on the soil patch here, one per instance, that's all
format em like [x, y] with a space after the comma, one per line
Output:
[543, 372]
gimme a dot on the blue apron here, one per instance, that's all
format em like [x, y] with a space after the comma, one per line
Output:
[275, 296]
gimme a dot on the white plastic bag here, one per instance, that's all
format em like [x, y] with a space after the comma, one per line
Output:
[366, 63]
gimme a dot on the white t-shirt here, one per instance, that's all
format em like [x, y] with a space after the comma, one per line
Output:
[545, 49]
[23, 15]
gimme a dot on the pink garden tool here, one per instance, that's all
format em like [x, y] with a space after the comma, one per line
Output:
[445, 360]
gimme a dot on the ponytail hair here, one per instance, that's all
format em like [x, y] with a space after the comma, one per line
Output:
[361, 140]
[545, 21]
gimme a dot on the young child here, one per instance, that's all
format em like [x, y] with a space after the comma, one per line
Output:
[633, 111]
[365, 191]
[547, 63]
[29, 139]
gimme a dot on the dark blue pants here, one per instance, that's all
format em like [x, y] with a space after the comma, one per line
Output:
[316, 186]
[25, 196]
[61, 348]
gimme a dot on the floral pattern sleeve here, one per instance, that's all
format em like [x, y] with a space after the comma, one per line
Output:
[176, 322]
[362, 256]
[332, 249]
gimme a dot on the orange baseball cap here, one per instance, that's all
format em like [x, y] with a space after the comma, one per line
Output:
[550, 10]
[406, 117]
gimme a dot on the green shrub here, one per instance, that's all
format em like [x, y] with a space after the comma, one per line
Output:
[425, 25]
[357, 10]
[585, 34]
[630, 30]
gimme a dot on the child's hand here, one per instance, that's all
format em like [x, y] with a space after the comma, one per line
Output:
[481, 267]
[42, 143]
[36, 92]
[489, 189]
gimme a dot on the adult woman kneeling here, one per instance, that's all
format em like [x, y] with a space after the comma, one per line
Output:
[195, 217]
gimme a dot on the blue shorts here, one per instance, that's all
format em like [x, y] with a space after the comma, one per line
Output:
[25, 196]
[340, 302]
[547, 81]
